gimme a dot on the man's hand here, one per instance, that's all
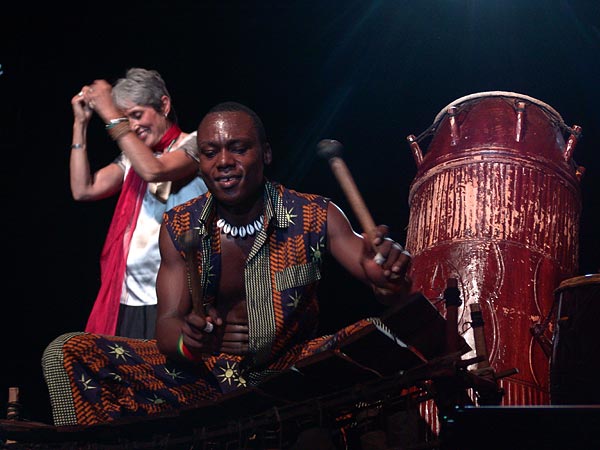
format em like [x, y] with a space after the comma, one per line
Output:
[200, 333]
[386, 264]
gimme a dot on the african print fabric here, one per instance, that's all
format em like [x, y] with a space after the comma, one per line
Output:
[96, 379]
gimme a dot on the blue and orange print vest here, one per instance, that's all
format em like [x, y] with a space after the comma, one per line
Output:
[282, 270]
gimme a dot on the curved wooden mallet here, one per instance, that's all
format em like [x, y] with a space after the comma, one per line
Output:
[331, 150]
[189, 241]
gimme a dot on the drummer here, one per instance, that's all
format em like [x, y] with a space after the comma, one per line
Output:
[286, 231]
[259, 263]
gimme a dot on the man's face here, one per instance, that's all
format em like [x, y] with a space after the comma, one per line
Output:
[232, 158]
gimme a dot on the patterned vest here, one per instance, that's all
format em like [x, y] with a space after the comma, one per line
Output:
[282, 270]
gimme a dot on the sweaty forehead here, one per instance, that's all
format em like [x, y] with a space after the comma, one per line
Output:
[226, 125]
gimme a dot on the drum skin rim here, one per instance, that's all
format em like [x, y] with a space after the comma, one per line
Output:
[466, 98]
[592, 278]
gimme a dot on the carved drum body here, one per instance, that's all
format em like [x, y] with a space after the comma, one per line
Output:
[496, 205]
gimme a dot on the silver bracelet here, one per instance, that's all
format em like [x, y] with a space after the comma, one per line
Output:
[76, 145]
[112, 122]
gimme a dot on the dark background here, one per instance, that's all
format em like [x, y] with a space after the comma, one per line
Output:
[367, 73]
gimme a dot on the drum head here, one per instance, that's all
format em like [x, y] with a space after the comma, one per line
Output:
[512, 95]
[584, 280]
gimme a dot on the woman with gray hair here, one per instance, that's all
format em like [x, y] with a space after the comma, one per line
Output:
[157, 168]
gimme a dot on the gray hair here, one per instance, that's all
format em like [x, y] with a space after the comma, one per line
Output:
[142, 87]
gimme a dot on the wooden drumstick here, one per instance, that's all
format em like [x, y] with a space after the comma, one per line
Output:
[190, 240]
[332, 150]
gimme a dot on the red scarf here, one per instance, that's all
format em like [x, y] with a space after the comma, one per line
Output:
[113, 260]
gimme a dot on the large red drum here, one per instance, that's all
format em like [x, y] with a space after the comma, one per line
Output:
[496, 205]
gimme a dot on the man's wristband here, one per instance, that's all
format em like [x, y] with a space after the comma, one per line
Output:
[185, 353]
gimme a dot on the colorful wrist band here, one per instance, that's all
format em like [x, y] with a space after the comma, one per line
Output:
[119, 130]
[185, 352]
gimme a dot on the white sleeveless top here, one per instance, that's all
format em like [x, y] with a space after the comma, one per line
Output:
[143, 259]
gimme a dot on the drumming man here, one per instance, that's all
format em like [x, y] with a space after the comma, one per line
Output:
[257, 252]
[279, 277]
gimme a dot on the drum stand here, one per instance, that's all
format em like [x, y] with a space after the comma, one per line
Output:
[454, 385]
